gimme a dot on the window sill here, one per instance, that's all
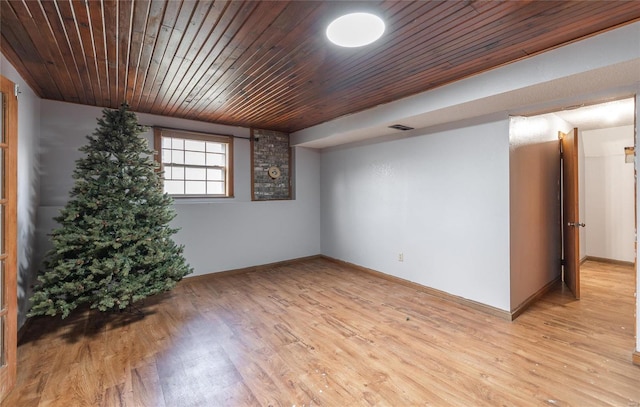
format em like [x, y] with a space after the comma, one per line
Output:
[199, 199]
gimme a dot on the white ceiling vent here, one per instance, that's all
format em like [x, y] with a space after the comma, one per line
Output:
[400, 127]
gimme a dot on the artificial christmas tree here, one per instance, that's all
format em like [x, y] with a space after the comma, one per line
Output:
[114, 244]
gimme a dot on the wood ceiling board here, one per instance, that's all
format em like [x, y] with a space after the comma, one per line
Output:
[216, 64]
[28, 59]
[268, 64]
[235, 63]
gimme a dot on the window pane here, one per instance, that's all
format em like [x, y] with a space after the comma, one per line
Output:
[3, 135]
[2, 347]
[195, 145]
[177, 157]
[215, 159]
[216, 188]
[174, 187]
[215, 174]
[2, 150]
[166, 155]
[178, 173]
[192, 158]
[194, 166]
[195, 187]
[2, 211]
[196, 173]
[177, 143]
[215, 147]
[2, 304]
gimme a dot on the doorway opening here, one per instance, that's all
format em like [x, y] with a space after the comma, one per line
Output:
[606, 194]
[606, 187]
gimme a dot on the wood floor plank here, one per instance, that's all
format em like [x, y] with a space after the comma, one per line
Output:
[319, 333]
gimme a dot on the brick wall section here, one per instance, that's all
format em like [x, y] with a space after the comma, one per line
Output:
[268, 149]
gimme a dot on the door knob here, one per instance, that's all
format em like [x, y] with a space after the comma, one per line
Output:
[576, 224]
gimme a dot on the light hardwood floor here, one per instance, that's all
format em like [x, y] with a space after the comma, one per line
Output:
[317, 333]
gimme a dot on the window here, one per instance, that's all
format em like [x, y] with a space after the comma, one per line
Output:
[195, 164]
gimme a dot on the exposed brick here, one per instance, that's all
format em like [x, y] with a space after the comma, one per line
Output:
[270, 148]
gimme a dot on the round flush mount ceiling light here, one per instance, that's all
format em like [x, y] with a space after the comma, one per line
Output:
[355, 30]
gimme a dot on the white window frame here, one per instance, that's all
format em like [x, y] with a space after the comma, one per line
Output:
[163, 134]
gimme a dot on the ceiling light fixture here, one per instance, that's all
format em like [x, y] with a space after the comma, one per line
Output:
[355, 30]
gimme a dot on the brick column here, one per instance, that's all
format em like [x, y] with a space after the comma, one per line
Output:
[270, 151]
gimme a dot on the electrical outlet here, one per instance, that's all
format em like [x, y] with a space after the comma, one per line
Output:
[400, 256]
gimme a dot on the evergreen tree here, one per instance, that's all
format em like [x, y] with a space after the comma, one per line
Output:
[114, 244]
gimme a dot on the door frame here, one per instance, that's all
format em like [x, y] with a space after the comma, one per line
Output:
[635, 354]
[9, 225]
[570, 201]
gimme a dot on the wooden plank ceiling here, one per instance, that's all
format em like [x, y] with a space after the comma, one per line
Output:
[267, 64]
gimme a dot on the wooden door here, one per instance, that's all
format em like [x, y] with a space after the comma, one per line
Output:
[570, 211]
[8, 235]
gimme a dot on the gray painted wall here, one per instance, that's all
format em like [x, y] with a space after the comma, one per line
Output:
[219, 234]
[535, 237]
[439, 197]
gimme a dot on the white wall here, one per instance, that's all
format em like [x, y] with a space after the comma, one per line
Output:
[609, 199]
[219, 234]
[28, 184]
[536, 246]
[440, 196]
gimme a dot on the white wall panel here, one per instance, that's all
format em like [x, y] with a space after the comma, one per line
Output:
[609, 199]
[439, 197]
